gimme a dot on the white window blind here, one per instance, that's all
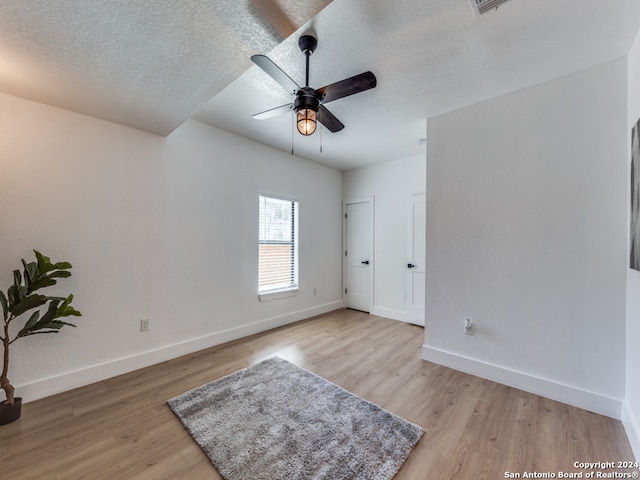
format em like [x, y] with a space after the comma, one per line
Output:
[277, 245]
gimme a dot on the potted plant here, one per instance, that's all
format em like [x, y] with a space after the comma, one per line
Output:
[20, 299]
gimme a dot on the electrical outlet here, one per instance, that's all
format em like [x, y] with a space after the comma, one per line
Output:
[144, 325]
[468, 326]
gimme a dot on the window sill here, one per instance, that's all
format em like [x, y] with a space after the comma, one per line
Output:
[268, 296]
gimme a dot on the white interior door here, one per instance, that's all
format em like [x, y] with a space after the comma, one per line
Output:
[416, 248]
[358, 255]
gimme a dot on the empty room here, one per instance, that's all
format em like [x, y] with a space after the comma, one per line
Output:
[320, 240]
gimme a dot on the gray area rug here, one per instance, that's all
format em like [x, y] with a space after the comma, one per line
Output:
[276, 421]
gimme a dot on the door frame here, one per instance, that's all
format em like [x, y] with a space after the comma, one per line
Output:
[371, 201]
[411, 316]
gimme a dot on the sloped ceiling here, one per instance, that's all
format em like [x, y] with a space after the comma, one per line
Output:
[152, 64]
[148, 64]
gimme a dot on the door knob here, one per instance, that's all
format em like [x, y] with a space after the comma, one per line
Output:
[410, 265]
[366, 262]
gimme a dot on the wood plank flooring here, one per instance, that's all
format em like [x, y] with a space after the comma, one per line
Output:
[475, 429]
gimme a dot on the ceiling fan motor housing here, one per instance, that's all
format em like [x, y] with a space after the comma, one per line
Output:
[307, 44]
[306, 98]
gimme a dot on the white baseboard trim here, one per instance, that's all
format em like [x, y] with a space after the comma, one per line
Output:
[394, 315]
[95, 373]
[577, 397]
[389, 313]
[632, 428]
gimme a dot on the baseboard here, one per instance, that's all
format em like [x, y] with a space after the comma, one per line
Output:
[389, 313]
[394, 315]
[85, 376]
[632, 428]
[593, 402]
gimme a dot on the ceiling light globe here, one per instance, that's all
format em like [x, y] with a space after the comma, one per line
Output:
[306, 122]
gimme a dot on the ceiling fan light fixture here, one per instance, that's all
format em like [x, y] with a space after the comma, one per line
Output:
[306, 106]
[307, 121]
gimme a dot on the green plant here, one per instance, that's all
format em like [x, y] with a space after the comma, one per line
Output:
[20, 299]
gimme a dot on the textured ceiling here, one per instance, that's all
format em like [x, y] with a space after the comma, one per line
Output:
[149, 64]
[152, 64]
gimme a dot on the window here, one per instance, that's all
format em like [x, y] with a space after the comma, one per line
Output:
[277, 245]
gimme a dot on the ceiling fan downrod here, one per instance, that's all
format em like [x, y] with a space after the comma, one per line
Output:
[306, 104]
[307, 44]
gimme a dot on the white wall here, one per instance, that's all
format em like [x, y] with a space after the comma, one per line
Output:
[160, 228]
[527, 234]
[631, 413]
[391, 184]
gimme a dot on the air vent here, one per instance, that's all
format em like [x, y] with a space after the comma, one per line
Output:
[484, 6]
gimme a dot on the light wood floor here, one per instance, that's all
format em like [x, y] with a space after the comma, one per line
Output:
[475, 429]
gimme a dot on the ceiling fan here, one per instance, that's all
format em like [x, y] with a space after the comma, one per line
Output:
[309, 103]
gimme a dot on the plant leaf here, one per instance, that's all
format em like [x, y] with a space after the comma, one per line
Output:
[27, 280]
[47, 280]
[17, 278]
[14, 296]
[62, 266]
[41, 283]
[30, 272]
[46, 319]
[27, 303]
[43, 261]
[32, 321]
[45, 265]
[47, 272]
[62, 324]
[66, 309]
[34, 333]
[5, 306]
[20, 298]
[59, 274]
[58, 324]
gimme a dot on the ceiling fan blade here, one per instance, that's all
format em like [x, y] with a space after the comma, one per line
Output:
[276, 73]
[344, 88]
[326, 118]
[273, 112]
